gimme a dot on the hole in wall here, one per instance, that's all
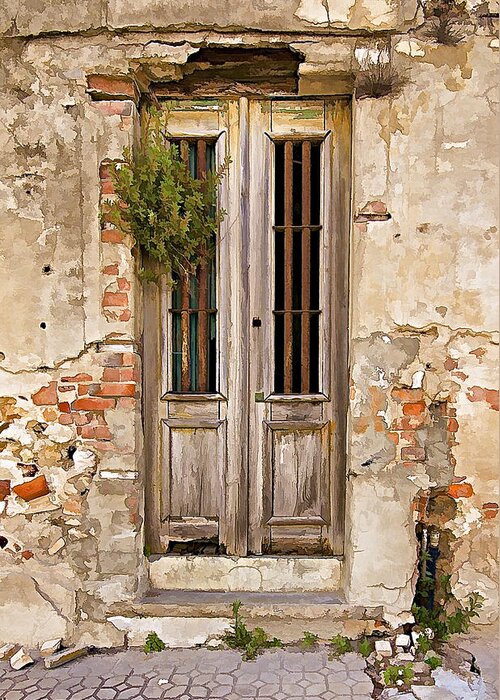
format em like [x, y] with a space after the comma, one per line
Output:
[43, 325]
[46, 269]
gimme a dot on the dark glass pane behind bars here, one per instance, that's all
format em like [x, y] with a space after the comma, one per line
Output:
[297, 237]
[194, 311]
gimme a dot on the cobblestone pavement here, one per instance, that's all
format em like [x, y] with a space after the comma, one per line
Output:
[187, 674]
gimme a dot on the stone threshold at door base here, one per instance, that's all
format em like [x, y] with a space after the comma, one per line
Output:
[193, 618]
[252, 573]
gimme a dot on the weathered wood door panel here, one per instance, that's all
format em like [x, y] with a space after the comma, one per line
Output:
[254, 464]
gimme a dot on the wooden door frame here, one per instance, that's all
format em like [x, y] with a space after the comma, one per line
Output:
[235, 386]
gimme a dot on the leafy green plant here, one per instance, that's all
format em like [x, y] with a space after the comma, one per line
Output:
[424, 644]
[153, 643]
[309, 640]
[444, 624]
[250, 642]
[340, 645]
[170, 214]
[365, 647]
[434, 662]
[147, 550]
[392, 674]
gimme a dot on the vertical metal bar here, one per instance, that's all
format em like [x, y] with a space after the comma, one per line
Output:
[306, 266]
[185, 322]
[202, 286]
[288, 215]
[185, 382]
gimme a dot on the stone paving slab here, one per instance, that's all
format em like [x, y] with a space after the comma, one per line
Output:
[192, 674]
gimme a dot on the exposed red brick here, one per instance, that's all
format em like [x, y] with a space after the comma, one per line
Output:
[463, 490]
[81, 377]
[452, 425]
[66, 419]
[112, 389]
[112, 235]
[416, 454]
[115, 299]
[105, 171]
[107, 187]
[111, 107]
[82, 418]
[123, 283]
[125, 315]
[450, 364]
[32, 489]
[113, 360]
[101, 432]
[83, 389]
[393, 436]
[46, 396]
[104, 446]
[409, 423]
[111, 269]
[26, 554]
[129, 374]
[111, 86]
[490, 510]
[414, 409]
[68, 387]
[93, 403]
[478, 352]
[129, 359]
[4, 488]
[64, 407]
[478, 393]
[405, 395]
[125, 402]
[111, 374]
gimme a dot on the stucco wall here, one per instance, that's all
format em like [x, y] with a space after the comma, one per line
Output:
[423, 416]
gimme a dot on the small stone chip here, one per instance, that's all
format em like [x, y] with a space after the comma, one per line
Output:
[65, 656]
[20, 659]
[58, 544]
[50, 647]
[383, 647]
[8, 650]
[403, 641]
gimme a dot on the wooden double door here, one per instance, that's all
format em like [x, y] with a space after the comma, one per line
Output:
[245, 363]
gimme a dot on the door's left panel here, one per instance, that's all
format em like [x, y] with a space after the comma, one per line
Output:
[185, 388]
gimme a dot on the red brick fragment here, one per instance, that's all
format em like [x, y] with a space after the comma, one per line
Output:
[123, 283]
[66, 419]
[115, 299]
[112, 389]
[113, 360]
[81, 377]
[111, 86]
[129, 359]
[125, 402]
[26, 554]
[111, 107]
[64, 407]
[93, 403]
[415, 454]
[110, 269]
[463, 490]
[407, 395]
[68, 387]
[478, 393]
[125, 315]
[32, 489]
[111, 374]
[450, 364]
[414, 409]
[452, 425]
[46, 396]
[112, 235]
[82, 418]
[4, 488]
[490, 510]
[409, 423]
